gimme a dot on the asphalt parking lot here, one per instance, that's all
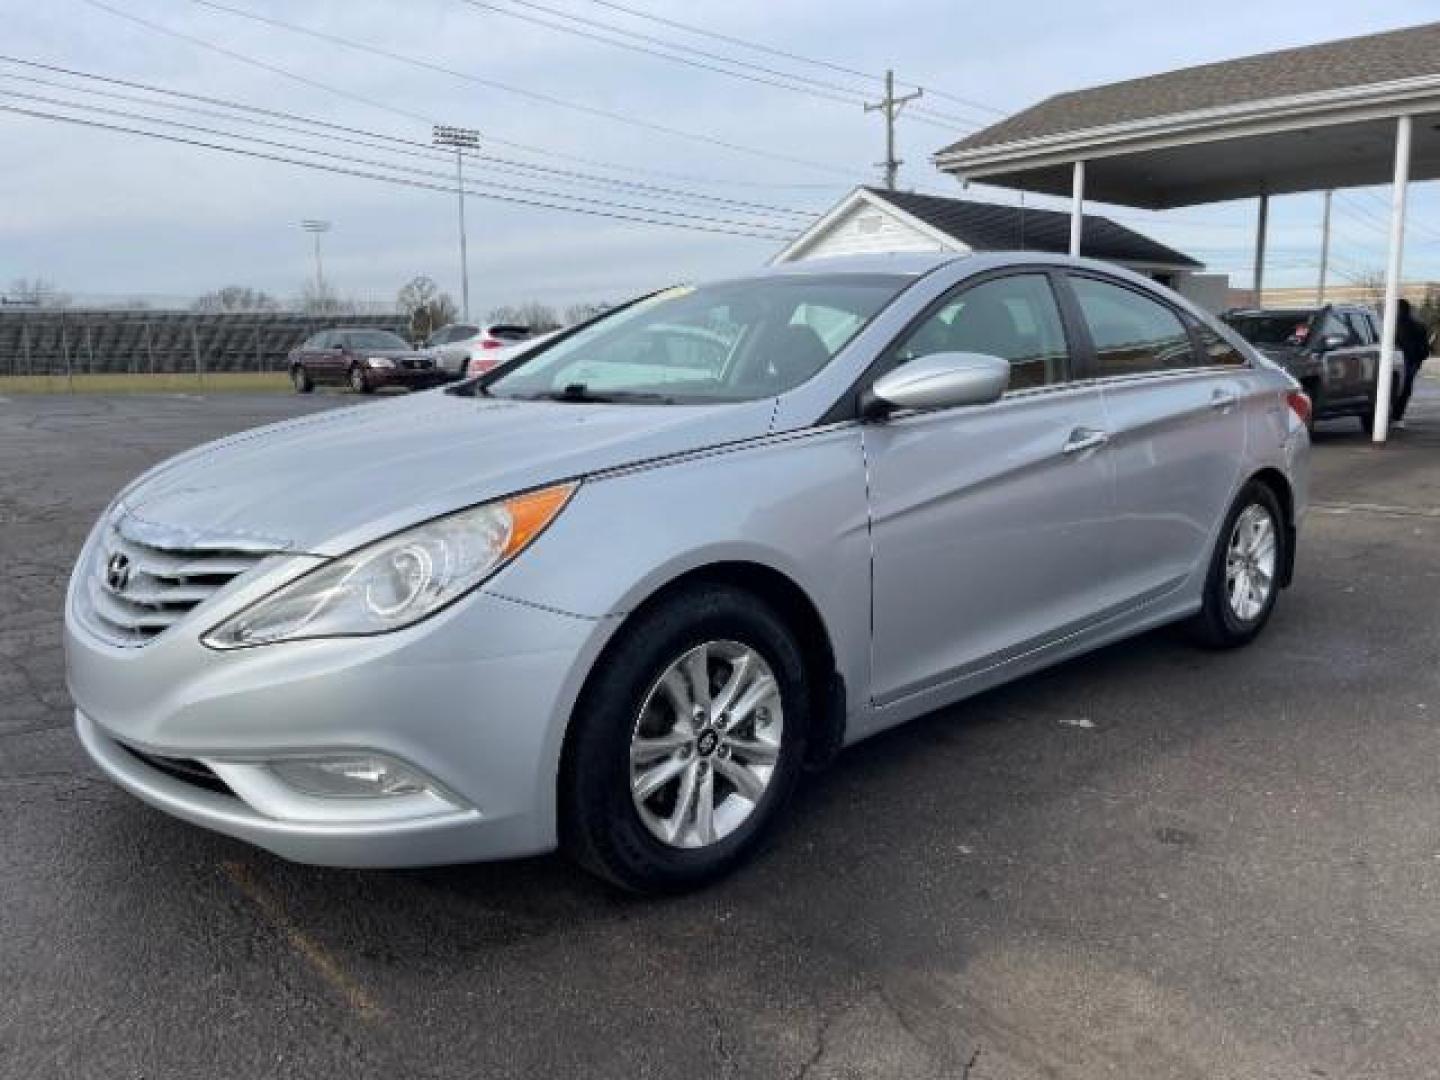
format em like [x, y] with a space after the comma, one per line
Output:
[1154, 862]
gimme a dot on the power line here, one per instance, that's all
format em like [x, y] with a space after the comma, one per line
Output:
[525, 147]
[399, 145]
[770, 50]
[427, 65]
[352, 159]
[828, 91]
[698, 225]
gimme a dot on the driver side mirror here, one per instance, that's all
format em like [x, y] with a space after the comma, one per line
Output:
[942, 380]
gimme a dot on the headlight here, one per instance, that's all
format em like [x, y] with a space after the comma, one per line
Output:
[396, 582]
[380, 361]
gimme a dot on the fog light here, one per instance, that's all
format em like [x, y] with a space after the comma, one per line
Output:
[365, 776]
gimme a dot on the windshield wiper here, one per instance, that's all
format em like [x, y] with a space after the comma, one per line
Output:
[582, 393]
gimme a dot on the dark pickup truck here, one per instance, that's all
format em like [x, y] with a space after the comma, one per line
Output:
[1333, 350]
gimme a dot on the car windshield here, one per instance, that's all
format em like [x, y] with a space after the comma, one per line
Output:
[731, 341]
[374, 339]
[1272, 327]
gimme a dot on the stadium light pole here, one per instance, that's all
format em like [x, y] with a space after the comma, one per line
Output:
[460, 140]
[315, 228]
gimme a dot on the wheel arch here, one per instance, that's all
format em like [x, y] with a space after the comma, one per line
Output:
[1279, 485]
[801, 614]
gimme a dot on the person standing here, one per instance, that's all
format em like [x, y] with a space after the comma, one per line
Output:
[1413, 340]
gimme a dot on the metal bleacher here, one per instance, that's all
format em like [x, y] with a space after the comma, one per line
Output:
[83, 341]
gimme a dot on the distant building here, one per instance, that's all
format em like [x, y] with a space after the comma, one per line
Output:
[870, 220]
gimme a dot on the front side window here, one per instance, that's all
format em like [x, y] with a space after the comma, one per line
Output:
[1132, 333]
[732, 341]
[374, 339]
[1015, 318]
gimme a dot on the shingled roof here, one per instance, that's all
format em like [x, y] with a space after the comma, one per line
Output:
[983, 226]
[1314, 69]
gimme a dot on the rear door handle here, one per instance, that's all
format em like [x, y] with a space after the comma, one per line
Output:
[1221, 400]
[1082, 439]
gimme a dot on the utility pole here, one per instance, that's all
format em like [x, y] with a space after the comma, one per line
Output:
[316, 228]
[891, 107]
[460, 139]
[1324, 249]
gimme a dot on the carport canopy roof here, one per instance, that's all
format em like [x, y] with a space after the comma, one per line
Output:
[1304, 119]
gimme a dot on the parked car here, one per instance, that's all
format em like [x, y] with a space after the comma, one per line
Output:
[462, 349]
[1332, 350]
[616, 605]
[361, 359]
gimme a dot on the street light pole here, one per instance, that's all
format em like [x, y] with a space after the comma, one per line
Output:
[460, 139]
[315, 228]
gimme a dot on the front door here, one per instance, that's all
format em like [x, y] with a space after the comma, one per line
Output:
[989, 522]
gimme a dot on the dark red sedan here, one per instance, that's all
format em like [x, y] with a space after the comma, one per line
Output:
[364, 360]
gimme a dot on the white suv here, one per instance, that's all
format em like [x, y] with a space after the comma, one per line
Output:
[463, 349]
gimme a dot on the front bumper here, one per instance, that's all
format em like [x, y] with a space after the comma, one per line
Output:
[411, 377]
[475, 700]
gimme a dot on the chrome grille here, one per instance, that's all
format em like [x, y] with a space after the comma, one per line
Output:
[137, 589]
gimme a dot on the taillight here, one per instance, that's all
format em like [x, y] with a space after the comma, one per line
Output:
[1300, 405]
[479, 366]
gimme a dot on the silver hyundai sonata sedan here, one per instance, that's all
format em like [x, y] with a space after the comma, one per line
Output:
[615, 595]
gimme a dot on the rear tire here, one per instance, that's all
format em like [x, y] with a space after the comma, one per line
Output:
[1243, 582]
[740, 754]
[358, 382]
[300, 379]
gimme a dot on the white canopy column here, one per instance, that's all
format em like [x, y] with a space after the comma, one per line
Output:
[1384, 380]
[1077, 206]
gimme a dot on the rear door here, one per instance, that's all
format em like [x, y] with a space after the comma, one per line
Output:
[988, 523]
[1350, 367]
[1174, 410]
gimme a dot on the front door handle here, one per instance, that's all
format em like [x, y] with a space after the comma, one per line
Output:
[1222, 400]
[1082, 439]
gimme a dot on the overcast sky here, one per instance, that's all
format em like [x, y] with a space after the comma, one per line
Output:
[103, 213]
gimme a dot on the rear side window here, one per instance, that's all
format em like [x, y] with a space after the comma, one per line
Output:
[1360, 327]
[1133, 334]
[1014, 317]
[1217, 350]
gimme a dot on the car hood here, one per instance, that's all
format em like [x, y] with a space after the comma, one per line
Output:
[328, 482]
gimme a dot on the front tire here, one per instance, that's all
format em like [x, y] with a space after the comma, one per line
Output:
[358, 382]
[300, 379]
[687, 743]
[1245, 571]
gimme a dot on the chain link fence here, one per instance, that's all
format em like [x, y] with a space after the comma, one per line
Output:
[94, 342]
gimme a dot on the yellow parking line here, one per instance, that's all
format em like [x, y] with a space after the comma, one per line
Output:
[314, 954]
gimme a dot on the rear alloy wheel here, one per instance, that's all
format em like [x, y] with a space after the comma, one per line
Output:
[687, 743]
[358, 382]
[1244, 578]
[300, 379]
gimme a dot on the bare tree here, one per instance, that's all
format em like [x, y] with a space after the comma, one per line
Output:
[236, 298]
[1370, 287]
[532, 313]
[577, 313]
[426, 307]
[38, 292]
[323, 300]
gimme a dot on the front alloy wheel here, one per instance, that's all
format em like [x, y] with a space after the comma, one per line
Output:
[705, 744]
[686, 741]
